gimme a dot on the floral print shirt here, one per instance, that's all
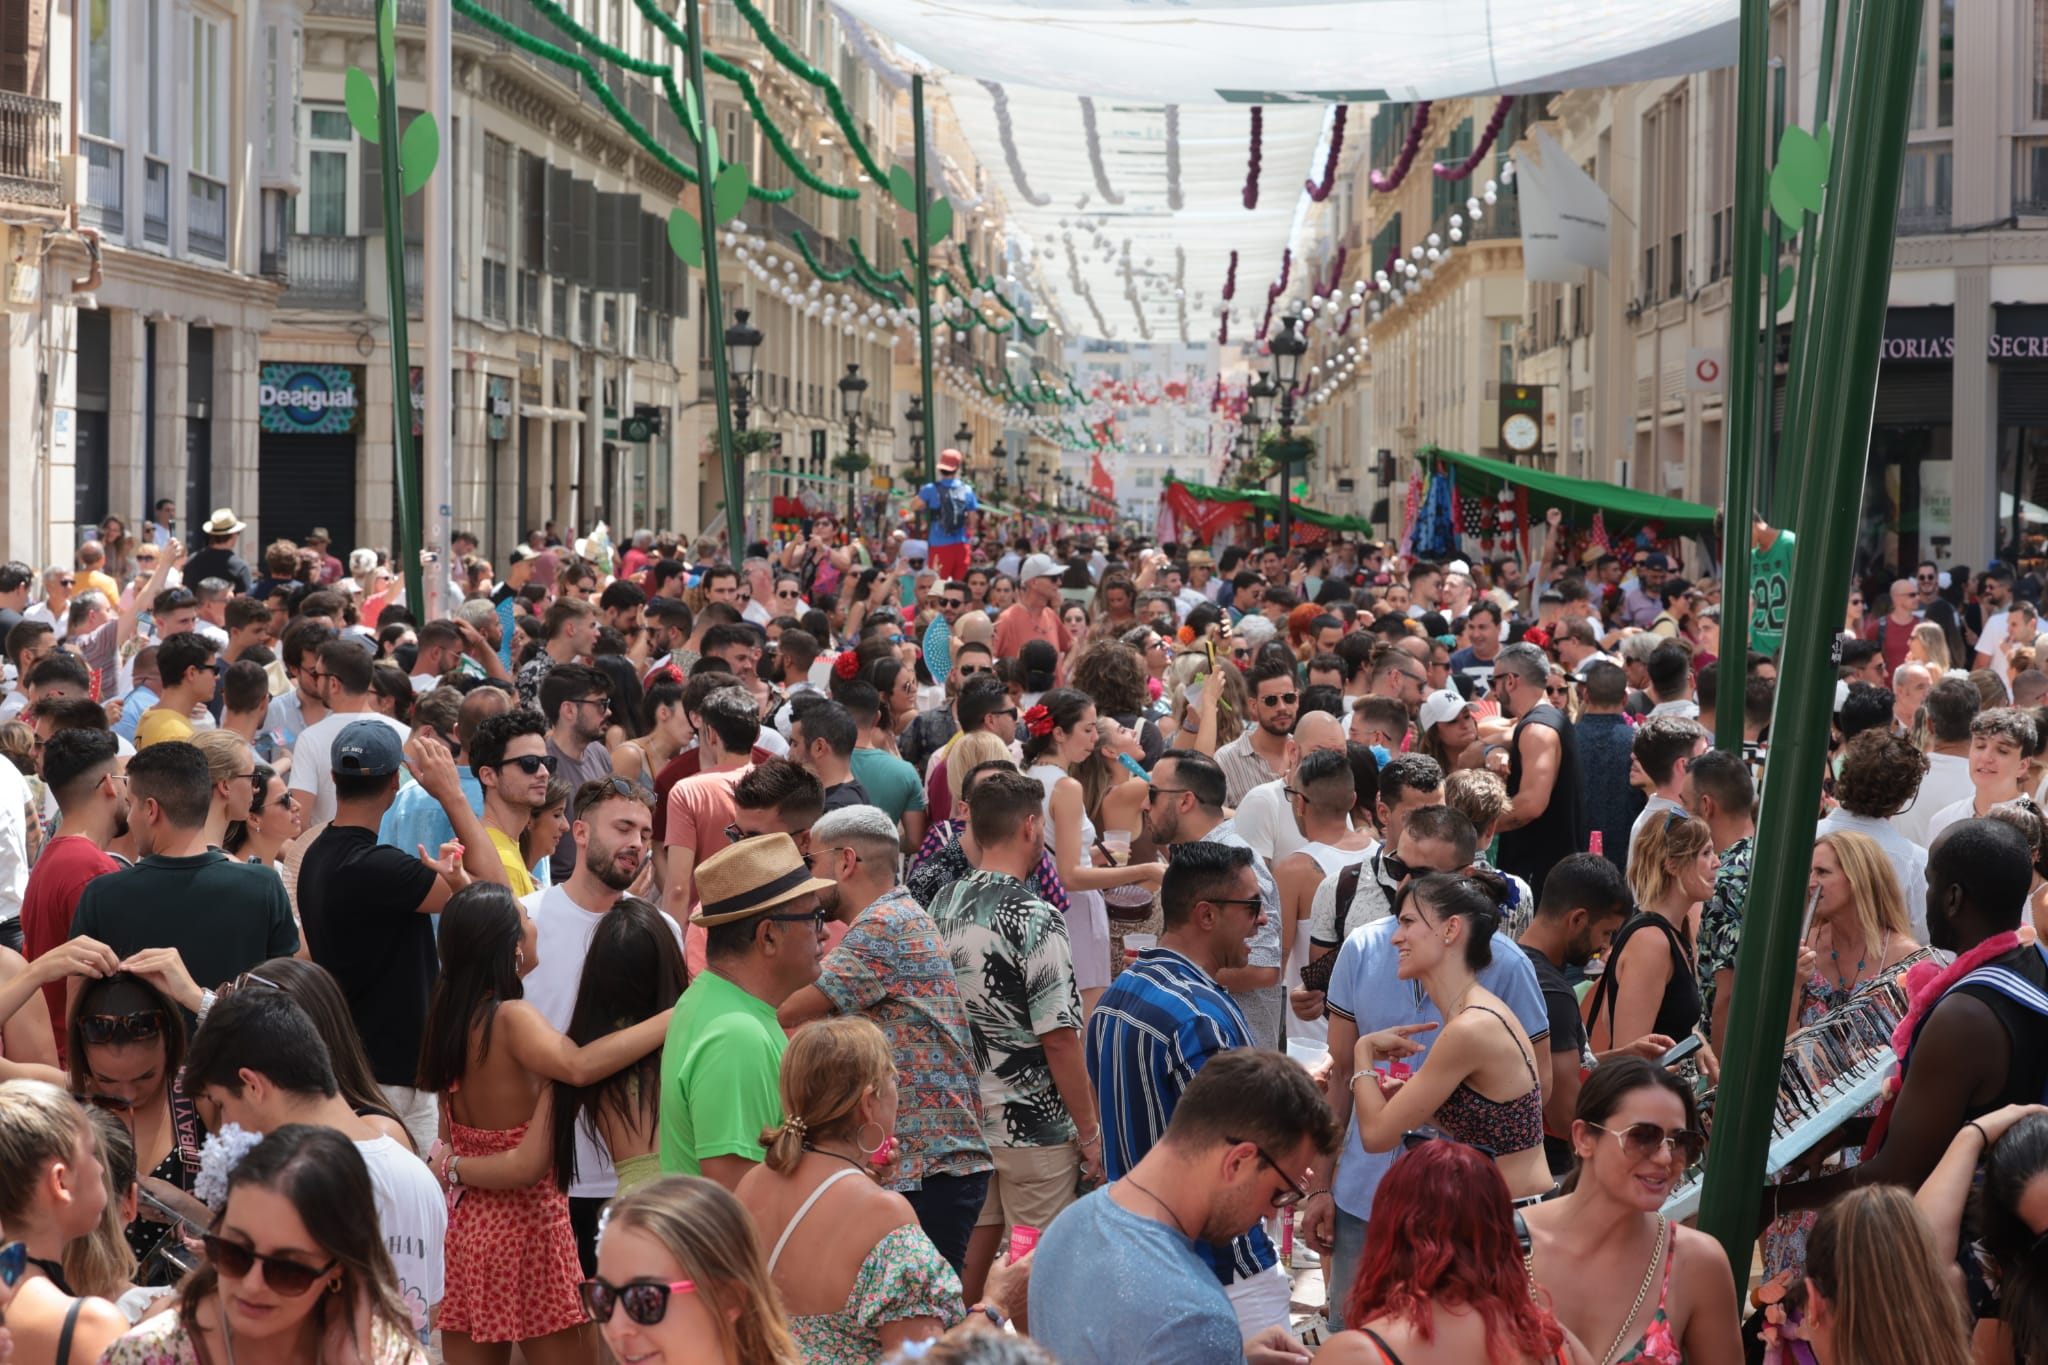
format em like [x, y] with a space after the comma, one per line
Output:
[893, 967]
[1016, 973]
[940, 860]
[1721, 921]
[904, 1276]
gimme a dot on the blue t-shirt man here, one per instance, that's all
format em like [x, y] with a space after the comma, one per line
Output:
[1165, 1308]
[935, 495]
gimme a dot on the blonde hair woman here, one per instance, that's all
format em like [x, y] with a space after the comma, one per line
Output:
[1207, 716]
[101, 1263]
[1860, 936]
[856, 1272]
[679, 1274]
[51, 1194]
[1874, 1285]
[1928, 645]
[231, 764]
[1651, 985]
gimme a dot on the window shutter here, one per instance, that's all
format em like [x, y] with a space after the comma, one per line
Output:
[372, 216]
[652, 280]
[533, 181]
[583, 232]
[626, 216]
[561, 233]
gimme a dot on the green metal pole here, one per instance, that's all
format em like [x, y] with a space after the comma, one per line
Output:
[1853, 260]
[1764, 465]
[714, 302]
[924, 282]
[1751, 279]
[1799, 373]
[405, 458]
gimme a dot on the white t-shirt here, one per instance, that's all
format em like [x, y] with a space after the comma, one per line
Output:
[1994, 635]
[756, 613]
[313, 759]
[1654, 809]
[1947, 781]
[413, 1215]
[14, 798]
[58, 621]
[563, 931]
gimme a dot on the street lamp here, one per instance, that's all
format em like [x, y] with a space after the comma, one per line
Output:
[851, 390]
[1288, 348]
[1001, 456]
[914, 417]
[1260, 392]
[741, 341]
[963, 437]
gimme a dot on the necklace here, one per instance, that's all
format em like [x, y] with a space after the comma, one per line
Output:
[1166, 1208]
[840, 1156]
[1642, 1292]
[1842, 981]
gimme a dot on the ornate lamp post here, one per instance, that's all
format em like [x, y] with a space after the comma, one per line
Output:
[741, 341]
[913, 415]
[1001, 456]
[851, 389]
[1288, 348]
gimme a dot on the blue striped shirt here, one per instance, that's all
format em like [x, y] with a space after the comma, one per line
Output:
[1158, 1024]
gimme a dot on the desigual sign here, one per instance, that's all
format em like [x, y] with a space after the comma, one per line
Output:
[307, 400]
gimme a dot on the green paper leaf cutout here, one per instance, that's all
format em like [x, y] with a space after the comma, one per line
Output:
[1803, 166]
[729, 193]
[1786, 204]
[685, 238]
[387, 35]
[418, 151]
[938, 223]
[903, 188]
[695, 121]
[1781, 288]
[359, 96]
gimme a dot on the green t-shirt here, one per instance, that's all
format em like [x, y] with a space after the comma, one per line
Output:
[891, 784]
[721, 1071]
[1770, 594]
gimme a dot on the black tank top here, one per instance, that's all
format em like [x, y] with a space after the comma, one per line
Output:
[1678, 1013]
[1531, 851]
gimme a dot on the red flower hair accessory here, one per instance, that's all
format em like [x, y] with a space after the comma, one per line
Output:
[846, 667]
[1038, 720]
[1537, 636]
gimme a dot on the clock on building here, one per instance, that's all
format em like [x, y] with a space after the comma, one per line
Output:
[1521, 418]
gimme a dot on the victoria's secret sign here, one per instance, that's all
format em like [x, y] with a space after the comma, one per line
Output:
[2018, 332]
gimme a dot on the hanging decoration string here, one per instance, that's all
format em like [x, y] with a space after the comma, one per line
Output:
[1319, 190]
[1174, 198]
[810, 75]
[1229, 293]
[1251, 178]
[1465, 168]
[1007, 133]
[1095, 152]
[1274, 291]
[1418, 124]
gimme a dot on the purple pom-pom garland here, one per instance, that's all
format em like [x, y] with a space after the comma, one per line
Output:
[1321, 191]
[1465, 168]
[1388, 181]
[1251, 179]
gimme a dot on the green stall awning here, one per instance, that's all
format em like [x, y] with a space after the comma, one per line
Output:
[1622, 508]
[1269, 503]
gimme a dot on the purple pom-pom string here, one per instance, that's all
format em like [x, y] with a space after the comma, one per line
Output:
[1319, 191]
[1251, 179]
[1387, 181]
[1465, 168]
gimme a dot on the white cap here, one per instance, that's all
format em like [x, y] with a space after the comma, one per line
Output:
[1439, 707]
[915, 549]
[1041, 566]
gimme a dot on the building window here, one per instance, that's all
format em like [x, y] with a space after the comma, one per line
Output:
[1662, 220]
[100, 104]
[209, 100]
[1934, 70]
[497, 228]
[1719, 126]
[330, 174]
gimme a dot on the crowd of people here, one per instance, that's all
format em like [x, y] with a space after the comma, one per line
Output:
[977, 944]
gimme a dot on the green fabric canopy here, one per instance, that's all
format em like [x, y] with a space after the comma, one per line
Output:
[1623, 508]
[1269, 503]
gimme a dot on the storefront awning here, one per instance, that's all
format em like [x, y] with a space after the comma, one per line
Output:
[1621, 508]
[1269, 503]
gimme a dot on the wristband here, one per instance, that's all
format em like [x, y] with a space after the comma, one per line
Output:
[1094, 1141]
[1980, 1131]
[1360, 1075]
[206, 999]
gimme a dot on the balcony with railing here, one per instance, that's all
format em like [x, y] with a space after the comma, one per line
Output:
[30, 142]
[1927, 188]
[326, 272]
[104, 184]
[2030, 177]
[206, 217]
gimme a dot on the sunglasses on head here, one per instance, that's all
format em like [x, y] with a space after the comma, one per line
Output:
[645, 1303]
[530, 763]
[1641, 1141]
[286, 1276]
[113, 1104]
[103, 1029]
[13, 1261]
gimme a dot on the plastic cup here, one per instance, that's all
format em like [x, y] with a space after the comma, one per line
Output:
[1022, 1239]
[1118, 844]
[1138, 943]
[1307, 1051]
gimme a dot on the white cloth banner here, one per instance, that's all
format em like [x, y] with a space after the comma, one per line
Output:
[1564, 215]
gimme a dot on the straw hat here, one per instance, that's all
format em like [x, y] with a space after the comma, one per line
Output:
[752, 876]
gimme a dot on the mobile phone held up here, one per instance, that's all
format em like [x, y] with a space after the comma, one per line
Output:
[1683, 1049]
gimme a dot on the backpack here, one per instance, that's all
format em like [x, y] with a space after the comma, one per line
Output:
[1315, 973]
[951, 513]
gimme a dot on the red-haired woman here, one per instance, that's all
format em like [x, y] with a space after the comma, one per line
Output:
[1442, 1281]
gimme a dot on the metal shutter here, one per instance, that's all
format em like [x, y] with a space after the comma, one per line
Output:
[560, 234]
[583, 233]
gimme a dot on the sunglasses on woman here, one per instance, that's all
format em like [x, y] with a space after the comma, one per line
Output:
[286, 1276]
[645, 1303]
[103, 1029]
[1641, 1141]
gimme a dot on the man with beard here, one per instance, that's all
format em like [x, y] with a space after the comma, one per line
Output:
[577, 701]
[1162, 1020]
[613, 832]
[892, 967]
[366, 907]
[80, 767]
[1261, 753]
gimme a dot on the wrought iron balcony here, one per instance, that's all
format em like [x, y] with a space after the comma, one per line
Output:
[30, 133]
[326, 272]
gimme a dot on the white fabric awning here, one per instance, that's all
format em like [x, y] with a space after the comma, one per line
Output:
[1318, 51]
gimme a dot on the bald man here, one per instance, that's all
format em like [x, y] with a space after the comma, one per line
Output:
[1894, 630]
[1265, 817]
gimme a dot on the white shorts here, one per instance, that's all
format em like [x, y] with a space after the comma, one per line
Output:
[1088, 935]
[1262, 1301]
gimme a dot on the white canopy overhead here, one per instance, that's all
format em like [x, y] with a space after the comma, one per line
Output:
[1315, 51]
[1118, 132]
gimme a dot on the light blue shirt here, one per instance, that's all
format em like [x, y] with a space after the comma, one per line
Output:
[1365, 987]
[132, 707]
[416, 819]
[1117, 1288]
